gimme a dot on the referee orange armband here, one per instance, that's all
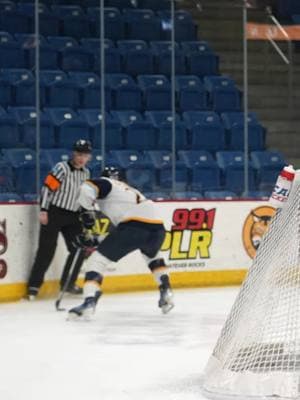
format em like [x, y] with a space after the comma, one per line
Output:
[52, 183]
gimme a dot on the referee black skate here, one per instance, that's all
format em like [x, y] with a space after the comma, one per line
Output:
[59, 214]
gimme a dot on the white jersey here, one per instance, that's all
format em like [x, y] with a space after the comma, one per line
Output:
[119, 201]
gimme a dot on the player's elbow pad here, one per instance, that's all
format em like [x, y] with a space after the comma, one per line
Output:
[87, 197]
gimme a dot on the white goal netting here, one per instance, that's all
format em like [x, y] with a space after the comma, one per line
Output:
[258, 352]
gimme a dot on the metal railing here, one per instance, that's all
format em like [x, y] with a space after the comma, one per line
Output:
[288, 60]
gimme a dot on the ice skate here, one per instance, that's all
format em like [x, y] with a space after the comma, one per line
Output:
[74, 289]
[32, 293]
[86, 309]
[166, 299]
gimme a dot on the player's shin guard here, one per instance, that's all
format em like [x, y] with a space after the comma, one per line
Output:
[92, 283]
[161, 275]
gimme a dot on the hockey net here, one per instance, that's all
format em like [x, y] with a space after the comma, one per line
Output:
[258, 352]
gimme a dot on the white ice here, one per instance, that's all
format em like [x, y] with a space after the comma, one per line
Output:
[129, 352]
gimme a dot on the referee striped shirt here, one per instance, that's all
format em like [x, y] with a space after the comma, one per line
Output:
[61, 186]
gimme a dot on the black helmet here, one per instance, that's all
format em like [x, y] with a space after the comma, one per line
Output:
[82, 146]
[111, 172]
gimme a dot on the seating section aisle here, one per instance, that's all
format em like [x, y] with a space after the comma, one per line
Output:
[209, 121]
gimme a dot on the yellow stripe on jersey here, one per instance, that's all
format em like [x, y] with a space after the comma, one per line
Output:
[159, 269]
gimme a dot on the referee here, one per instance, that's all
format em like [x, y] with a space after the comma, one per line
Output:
[59, 213]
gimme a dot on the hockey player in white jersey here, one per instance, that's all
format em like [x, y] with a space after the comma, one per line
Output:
[138, 226]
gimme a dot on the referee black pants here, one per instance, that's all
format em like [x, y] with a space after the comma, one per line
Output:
[66, 222]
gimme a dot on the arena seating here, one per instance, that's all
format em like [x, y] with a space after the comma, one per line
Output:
[138, 121]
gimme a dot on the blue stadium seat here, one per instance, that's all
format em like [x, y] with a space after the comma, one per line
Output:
[5, 91]
[142, 24]
[137, 57]
[139, 134]
[120, 4]
[114, 26]
[26, 119]
[162, 120]
[76, 59]
[181, 177]
[127, 158]
[232, 165]
[17, 157]
[10, 197]
[90, 87]
[113, 129]
[201, 60]
[156, 5]
[159, 158]
[191, 93]
[7, 5]
[194, 158]
[26, 176]
[70, 126]
[26, 40]
[234, 124]
[141, 177]
[127, 117]
[113, 60]
[61, 42]
[268, 159]
[268, 164]
[228, 158]
[9, 134]
[185, 28]
[11, 54]
[48, 54]
[223, 94]
[23, 85]
[66, 10]
[157, 195]
[13, 20]
[53, 156]
[160, 46]
[259, 194]
[48, 22]
[93, 44]
[189, 195]
[126, 94]
[6, 177]
[30, 197]
[74, 21]
[288, 8]
[204, 170]
[96, 164]
[205, 178]
[48, 57]
[207, 131]
[220, 195]
[156, 90]
[60, 90]
[163, 57]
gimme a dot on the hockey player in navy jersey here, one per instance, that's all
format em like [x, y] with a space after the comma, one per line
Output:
[138, 226]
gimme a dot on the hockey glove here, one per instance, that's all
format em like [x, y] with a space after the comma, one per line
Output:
[87, 219]
[86, 242]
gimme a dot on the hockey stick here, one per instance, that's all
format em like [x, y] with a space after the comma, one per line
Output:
[68, 280]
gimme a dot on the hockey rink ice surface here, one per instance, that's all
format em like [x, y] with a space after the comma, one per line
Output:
[130, 351]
